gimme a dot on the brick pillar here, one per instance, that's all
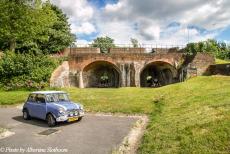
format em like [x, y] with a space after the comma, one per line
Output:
[123, 78]
[81, 84]
[128, 75]
[73, 79]
[137, 74]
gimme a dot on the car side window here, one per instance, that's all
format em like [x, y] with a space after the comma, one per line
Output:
[32, 98]
[51, 98]
[40, 98]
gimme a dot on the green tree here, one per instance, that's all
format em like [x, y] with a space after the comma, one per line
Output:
[191, 48]
[134, 42]
[60, 35]
[26, 70]
[212, 46]
[219, 49]
[23, 21]
[104, 43]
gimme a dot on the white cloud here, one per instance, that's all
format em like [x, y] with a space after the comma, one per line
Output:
[112, 29]
[209, 14]
[82, 42]
[80, 15]
[84, 28]
[77, 10]
[148, 20]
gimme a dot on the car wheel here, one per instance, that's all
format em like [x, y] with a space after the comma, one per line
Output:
[26, 115]
[51, 120]
[79, 119]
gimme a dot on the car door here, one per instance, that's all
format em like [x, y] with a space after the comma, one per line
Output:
[39, 108]
[31, 102]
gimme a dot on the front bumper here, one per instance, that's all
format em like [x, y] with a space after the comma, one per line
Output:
[68, 116]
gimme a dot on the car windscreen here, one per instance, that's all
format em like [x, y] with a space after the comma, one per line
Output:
[59, 97]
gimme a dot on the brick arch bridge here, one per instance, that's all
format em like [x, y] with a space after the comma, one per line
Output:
[123, 67]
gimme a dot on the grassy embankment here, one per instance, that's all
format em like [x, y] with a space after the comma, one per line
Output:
[189, 117]
[220, 61]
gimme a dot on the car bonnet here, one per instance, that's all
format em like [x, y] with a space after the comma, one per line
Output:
[67, 105]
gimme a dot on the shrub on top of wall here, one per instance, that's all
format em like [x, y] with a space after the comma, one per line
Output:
[26, 71]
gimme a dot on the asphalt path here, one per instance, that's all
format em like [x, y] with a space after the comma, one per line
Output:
[95, 134]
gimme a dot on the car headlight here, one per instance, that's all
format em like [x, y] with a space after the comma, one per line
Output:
[81, 107]
[62, 110]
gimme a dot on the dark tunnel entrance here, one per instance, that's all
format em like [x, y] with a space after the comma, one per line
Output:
[101, 74]
[158, 74]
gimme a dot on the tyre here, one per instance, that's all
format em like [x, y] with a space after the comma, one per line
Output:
[51, 121]
[79, 119]
[26, 115]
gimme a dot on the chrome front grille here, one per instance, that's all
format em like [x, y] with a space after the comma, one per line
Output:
[74, 112]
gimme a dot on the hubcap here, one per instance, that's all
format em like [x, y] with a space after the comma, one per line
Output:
[50, 119]
[25, 114]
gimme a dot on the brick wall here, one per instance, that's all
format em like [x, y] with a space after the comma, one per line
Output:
[129, 65]
[127, 50]
[72, 51]
[199, 64]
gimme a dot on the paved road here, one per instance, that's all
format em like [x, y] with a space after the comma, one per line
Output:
[93, 135]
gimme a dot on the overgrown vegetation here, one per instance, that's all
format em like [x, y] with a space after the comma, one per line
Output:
[220, 50]
[104, 43]
[27, 71]
[30, 31]
[36, 26]
[189, 117]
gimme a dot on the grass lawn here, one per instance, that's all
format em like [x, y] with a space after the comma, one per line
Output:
[13, 97]
[220, 61]
[192, 117]
[189, 117]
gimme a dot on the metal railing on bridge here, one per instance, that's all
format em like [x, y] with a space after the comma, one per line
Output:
[125, 48]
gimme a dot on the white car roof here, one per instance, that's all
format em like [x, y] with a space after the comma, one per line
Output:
[48, 92]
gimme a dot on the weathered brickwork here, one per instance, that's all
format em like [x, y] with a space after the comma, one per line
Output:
[199, 64]
[128, 68]
[60, 77]
[126, 50]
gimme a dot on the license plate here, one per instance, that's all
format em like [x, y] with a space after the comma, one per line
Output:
[72, 119]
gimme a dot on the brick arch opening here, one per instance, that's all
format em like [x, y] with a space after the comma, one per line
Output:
[102, 74]
[158, 73]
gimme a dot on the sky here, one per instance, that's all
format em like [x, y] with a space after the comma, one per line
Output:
[170, 22]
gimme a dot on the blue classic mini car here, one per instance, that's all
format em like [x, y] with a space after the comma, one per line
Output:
[52, 106]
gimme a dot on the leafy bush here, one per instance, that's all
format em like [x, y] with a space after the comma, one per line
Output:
[104, 43]
[220, 50]
[25, 71]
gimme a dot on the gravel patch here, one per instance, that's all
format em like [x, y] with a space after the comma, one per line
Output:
[130, 143]
[5, 133]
